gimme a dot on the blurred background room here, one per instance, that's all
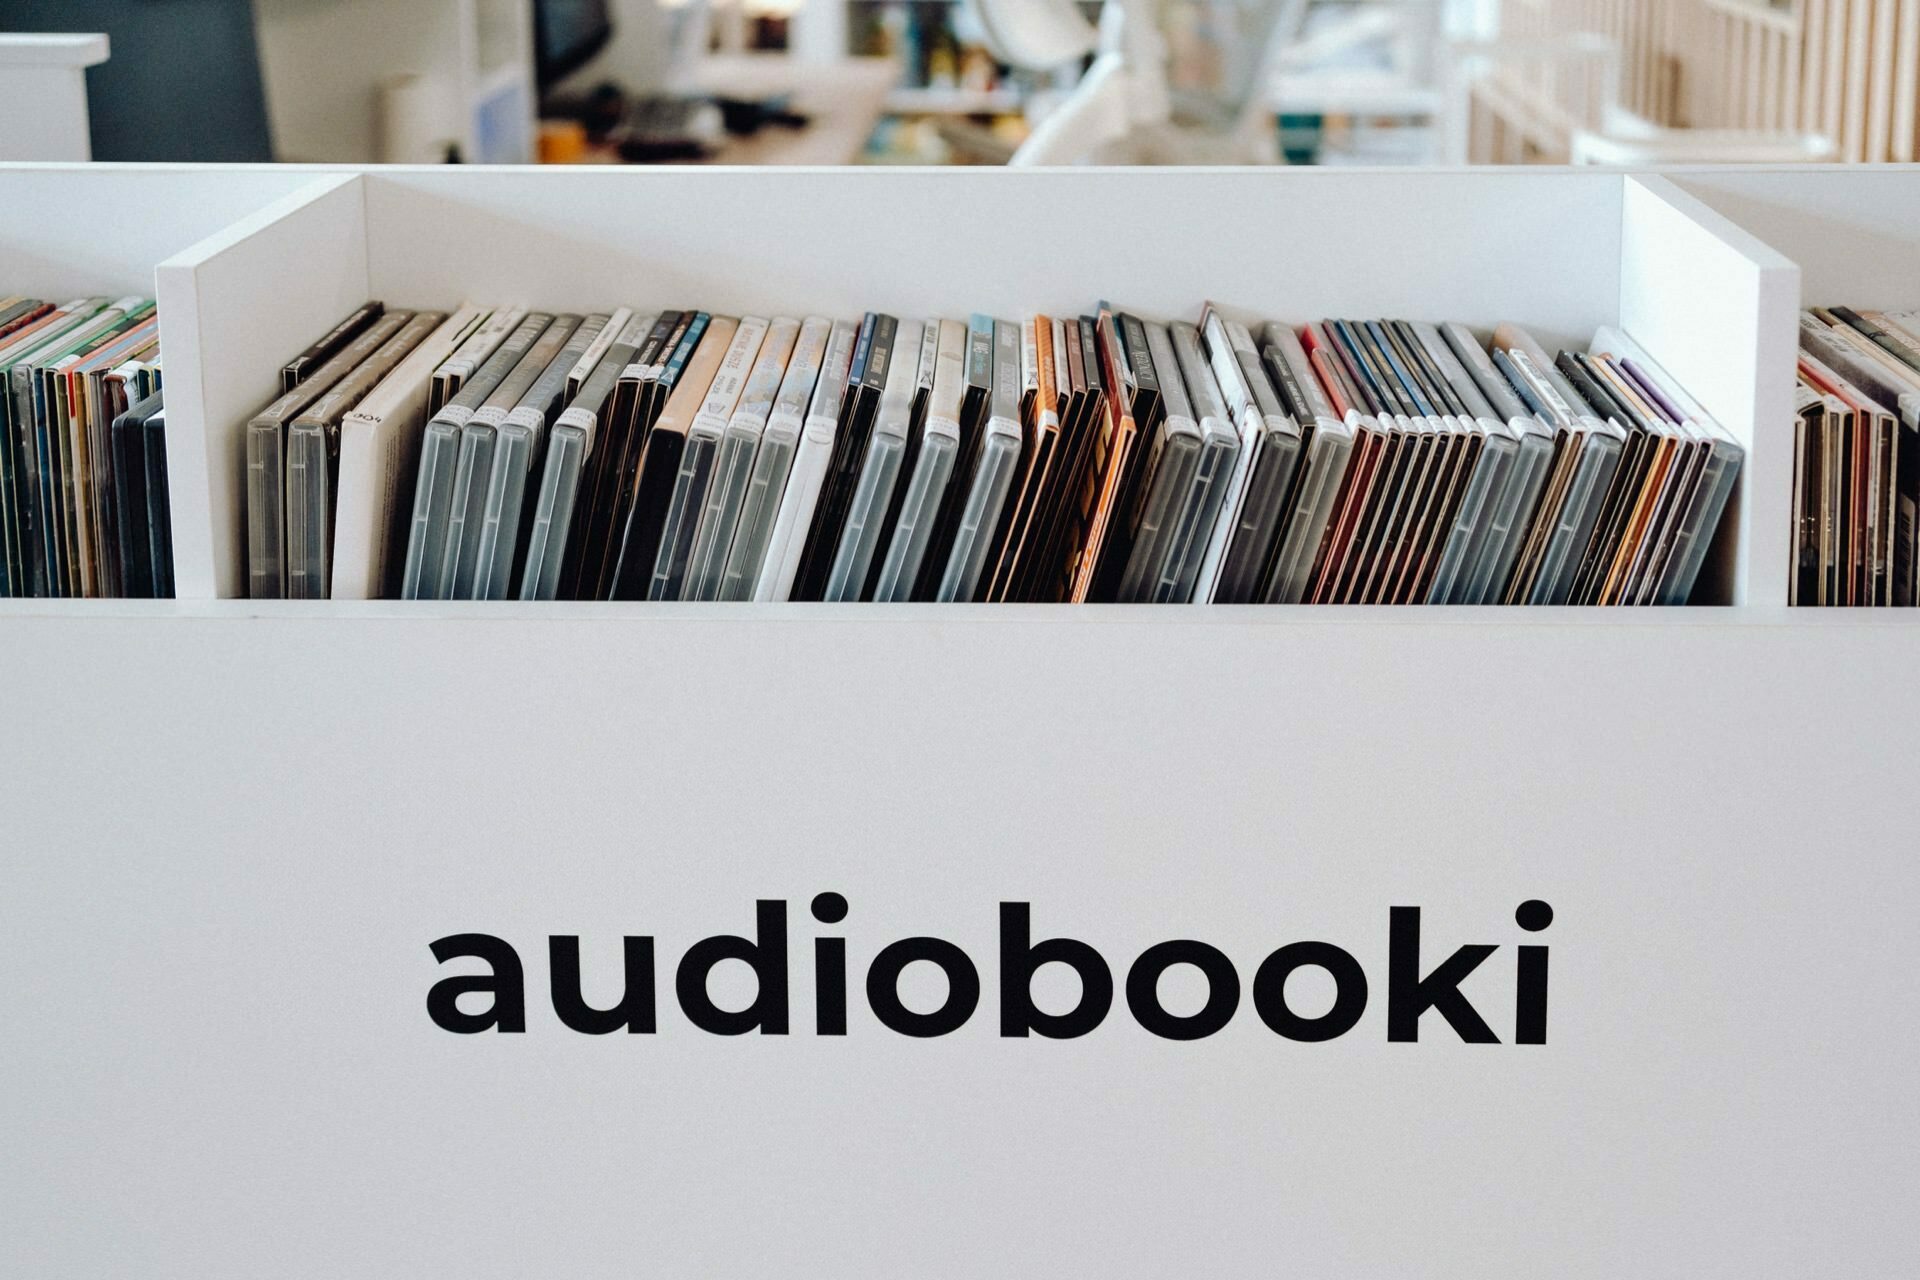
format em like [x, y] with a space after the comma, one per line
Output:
[1395, 82]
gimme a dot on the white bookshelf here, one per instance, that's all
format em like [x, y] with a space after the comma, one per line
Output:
[43, 94]
[233, 828]
[1700, 294]
[456, 73]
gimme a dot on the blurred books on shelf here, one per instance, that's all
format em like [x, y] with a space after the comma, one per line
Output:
[951, 89]
[737, 109]
[1357, 85]
[947, 139]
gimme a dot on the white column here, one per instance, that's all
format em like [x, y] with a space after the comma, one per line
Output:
[43, 95]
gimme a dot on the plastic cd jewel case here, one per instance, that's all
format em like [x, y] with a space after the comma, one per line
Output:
[629, 453]
[84, 508]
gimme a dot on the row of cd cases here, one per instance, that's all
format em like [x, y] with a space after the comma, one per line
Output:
[84, 508]
[1856, 458]
[496, 453]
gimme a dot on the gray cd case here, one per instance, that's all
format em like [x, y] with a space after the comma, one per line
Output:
[473, 468]
[1200, 506]
[1172, 458]
[1328, 454]
[1489, 566]
[773, 461]
[518, 448]
[267, 455]
[932, 468]
[570, 444]
[313, 453]
[993, 473]
[422, 576]
[733, 469]
[1278, 444]
[699, 460]
[879, 470]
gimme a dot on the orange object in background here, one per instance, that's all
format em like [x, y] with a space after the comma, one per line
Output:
[562, 142]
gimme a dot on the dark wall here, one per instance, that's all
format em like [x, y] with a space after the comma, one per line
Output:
[183, 81]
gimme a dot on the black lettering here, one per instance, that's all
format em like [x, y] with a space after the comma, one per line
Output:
[830, 986]
[507, 985]
[883, 987]
[830, 969]
[634, 1013]
[1020, 959]
[1530, 987]
[1409, 995]
[1143, 989]
[766, 954]
[1349, 991]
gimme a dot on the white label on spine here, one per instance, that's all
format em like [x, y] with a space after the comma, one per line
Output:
[756, 401]
[602, 341]
[802, 371]
[724, 391]
[929, 351]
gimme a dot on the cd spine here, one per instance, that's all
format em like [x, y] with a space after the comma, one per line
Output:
[467, 510]
[500, 516]
[904, 555]
[1000, 455]
[683, 511]
[766, 486]
[266, 521]
[306, 499]
[726, 495]
[547, 536]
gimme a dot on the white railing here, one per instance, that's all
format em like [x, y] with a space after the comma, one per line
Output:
[1847, 71]
[1521, 100]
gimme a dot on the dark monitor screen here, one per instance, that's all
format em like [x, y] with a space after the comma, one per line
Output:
[567, 33]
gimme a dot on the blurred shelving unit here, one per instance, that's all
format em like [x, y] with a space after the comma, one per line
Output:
[1360, 84]
[952, 101]
[361, 80]
[1688, 81]
[43, 95]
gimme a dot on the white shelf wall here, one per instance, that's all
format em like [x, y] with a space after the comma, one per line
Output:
[216, 936]
[299, 263]
[43, 94]
[1852, 229]
[68, 230]
[1289, 244]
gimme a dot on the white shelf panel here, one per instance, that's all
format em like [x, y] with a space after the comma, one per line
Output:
[1851, 228]
[43, 94]
[37, 49]
[217, 951]
[953, 102]
[1293, 244]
